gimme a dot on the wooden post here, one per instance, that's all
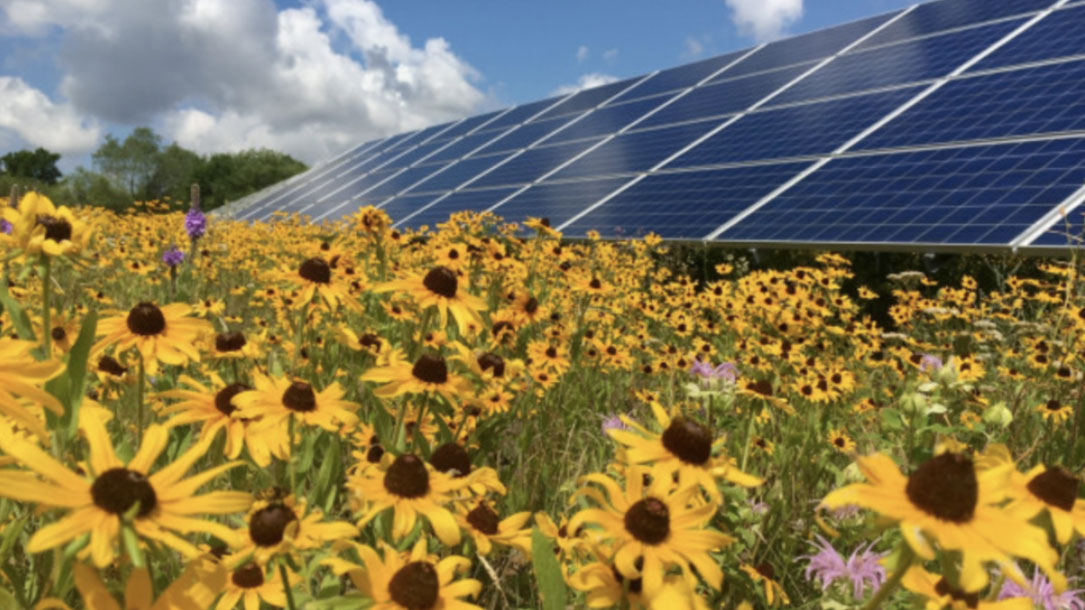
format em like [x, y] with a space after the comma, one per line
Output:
[195, 197]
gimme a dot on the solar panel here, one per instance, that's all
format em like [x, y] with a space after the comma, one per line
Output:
[684, 204]
[969, 195]
[1019, 102]
[905, 62]
[725, 97]
[951, 124]
[932, 17]
[794, 131]
[1061, 34]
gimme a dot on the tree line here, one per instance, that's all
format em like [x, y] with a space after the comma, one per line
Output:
[141, 167]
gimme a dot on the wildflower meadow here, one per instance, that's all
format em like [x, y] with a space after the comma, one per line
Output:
[204, 413]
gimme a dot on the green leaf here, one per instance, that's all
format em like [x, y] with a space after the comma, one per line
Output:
[7, 600]
[77, 371]
[16, 313]
[350, 601]
[547, 571]
[131, 545]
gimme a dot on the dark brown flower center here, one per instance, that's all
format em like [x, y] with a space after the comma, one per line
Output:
[316, 270]
[442, 281]
[370, 340]
[146, 320]
[229, 342]
[58, 333]
[649, 521]
[761, 387]
[299, 397]
[971, 600]
[839, 442]
[945, 487]
[109, 364]
[484, 519]
[407, 477]
[492, 362]
[451, 458]
[531, 306]
[118, 489]
[374, 454]
[765, 569]
[415, 586]
[267, 525]
[689, 441]
[248, 576]
[226, 394]
[1056, 487]
[635, 586]
[56, 229]
[430, 369]
[595, 284]
[1053, 405]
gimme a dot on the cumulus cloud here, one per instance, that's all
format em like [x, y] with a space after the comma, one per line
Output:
[220, 75]
[586, 81]
[38, 121]
[764, 20]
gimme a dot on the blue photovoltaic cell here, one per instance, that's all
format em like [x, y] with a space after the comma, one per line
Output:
[815, 45]
[522, 113]
[608, 120]
[635, 151]
[465, 126]
[458, 173]
[1060, 34]
[1021, 102]
[472, 200]
[532, 164]
[589, 98]
[727, 97]
[557, 201]
[416, 154]
[465, 146]
[794, 131]
[905, 62]
[931, 17]
[680, 77]
[403, 144]
[403, 180]
[960, 196]
[686, 204]
[398, 208]
[524, 135]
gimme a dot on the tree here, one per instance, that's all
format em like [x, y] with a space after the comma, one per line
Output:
[176, 168]
[228, 177]
[132, 163]
[40, 165]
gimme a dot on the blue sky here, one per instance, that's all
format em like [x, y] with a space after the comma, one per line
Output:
[311, 77]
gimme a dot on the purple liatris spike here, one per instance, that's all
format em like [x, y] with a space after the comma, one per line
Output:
[930, 362]
[1042, 594]
[5, 227]
[195, 224]
[613, 422]
[173, 256]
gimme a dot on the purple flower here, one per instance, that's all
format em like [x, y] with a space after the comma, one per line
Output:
[195, 224]
[1043, 594]
[704, 370]
[613, 422]
[930, 362]
[758, 507]
[5, 227]
[861, 568]
[173, 256]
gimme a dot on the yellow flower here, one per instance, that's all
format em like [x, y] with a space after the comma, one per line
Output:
[276, 399]
[440, 288]
[40, 227]
[428, 374]
[20, 377]
[195, 589]
[163, 334]
[943, 596]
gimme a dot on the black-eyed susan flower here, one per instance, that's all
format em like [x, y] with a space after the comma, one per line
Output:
[486, 527]
[283, 525]
[1055, 411]
[840, 441]
[274, 400]
[948, 502]
[251, 584]
[428, 374]
[765, 575]
[21, 376]
[1052, 489]
[409, 487]
[160, 334]
[653, 525]
[941, 595]
[38, 226]
[439, 288]
[685, 448]
[97, 503]
[196, 587]
[317, 278]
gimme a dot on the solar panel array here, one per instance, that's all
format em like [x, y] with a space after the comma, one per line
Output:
[954, 124]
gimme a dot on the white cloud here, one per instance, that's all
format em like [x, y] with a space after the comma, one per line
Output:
[222, 75]
[38, 121]
[764, 20]
[581, 53]
[586, 81]
[610, 55]
[694, 48]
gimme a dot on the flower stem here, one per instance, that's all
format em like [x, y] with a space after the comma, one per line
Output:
[286, 588]
[46, 311]
[291, 463]
[139, 401]
[888, 587]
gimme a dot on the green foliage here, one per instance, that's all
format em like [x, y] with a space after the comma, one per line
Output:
[132, 163]
[39, 165]
[547, 571]
[228, 177]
